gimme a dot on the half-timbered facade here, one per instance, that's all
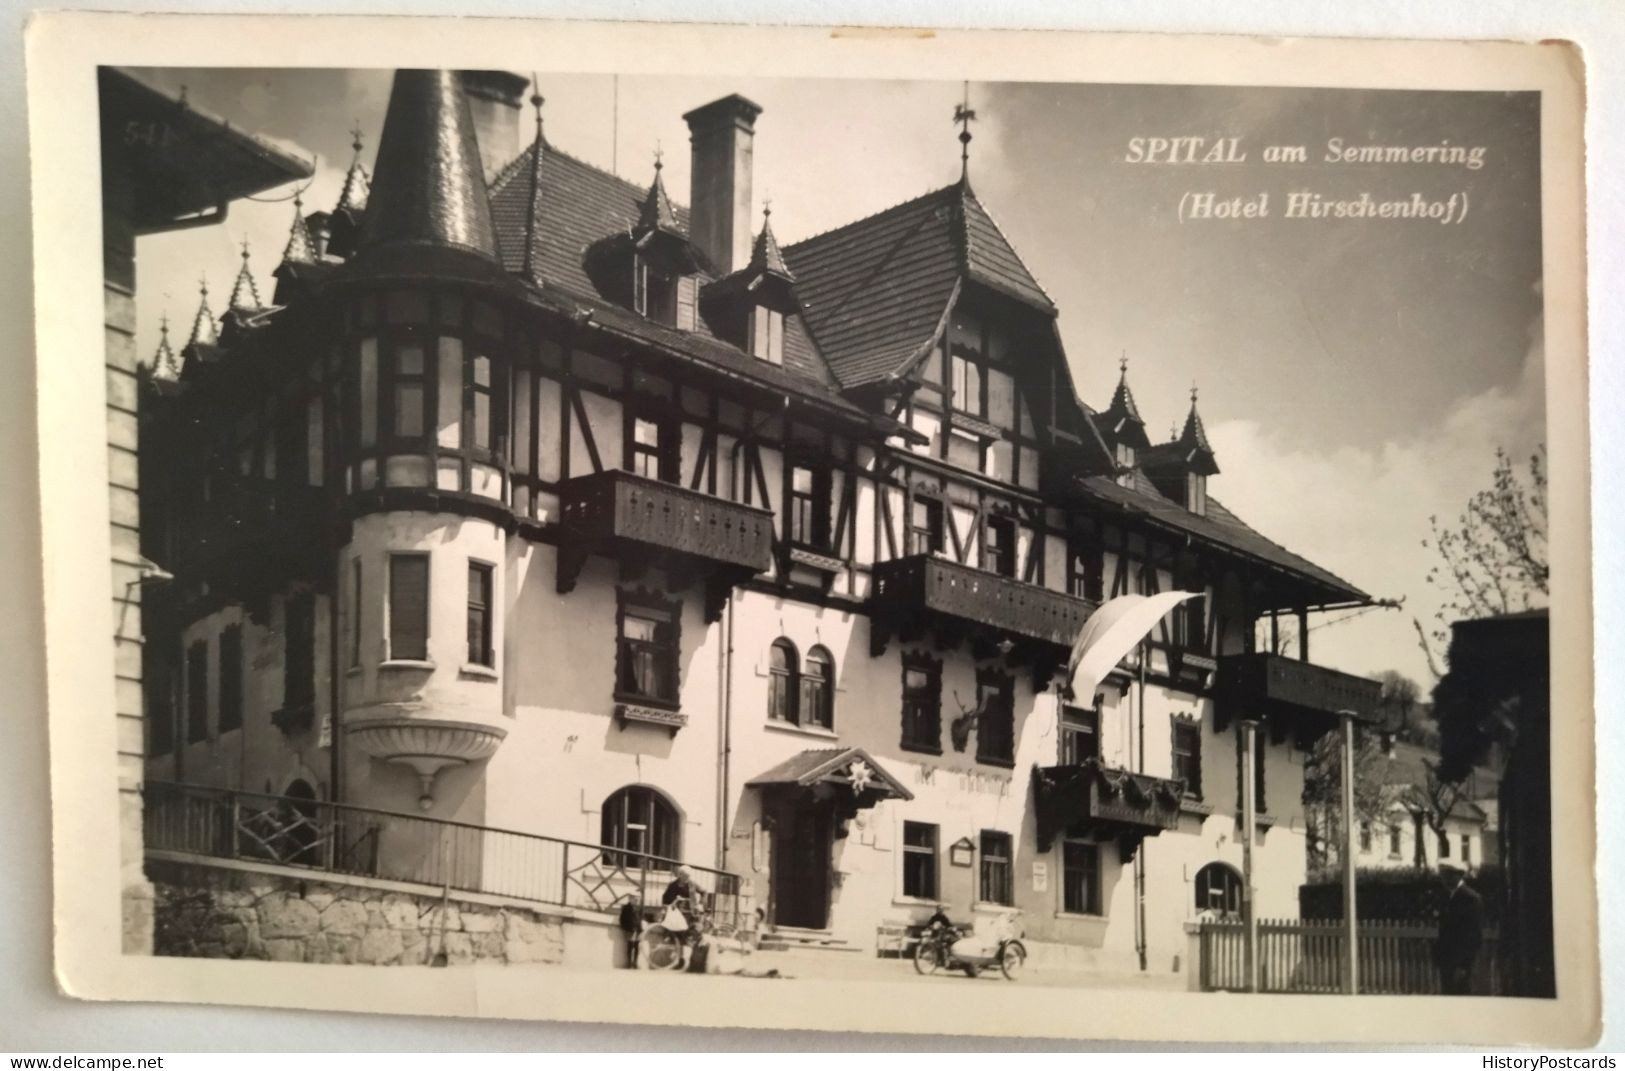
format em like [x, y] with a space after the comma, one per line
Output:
[539, 501]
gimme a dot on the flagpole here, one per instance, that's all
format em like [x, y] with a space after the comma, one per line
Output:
[1139, 856]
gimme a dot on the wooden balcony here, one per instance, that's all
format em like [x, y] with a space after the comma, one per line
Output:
[252, 536]
[1104, 801]
[1291, 696]
[644, 521]
[960, 601]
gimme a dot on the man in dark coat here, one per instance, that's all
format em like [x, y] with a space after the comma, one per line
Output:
[1461, 931]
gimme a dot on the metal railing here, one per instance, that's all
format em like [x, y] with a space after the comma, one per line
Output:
[343, 839]
[1296, 956]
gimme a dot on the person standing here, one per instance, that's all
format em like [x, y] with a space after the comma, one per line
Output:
[1461, 932]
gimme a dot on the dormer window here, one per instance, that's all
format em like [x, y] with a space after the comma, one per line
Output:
[767, 334]
[656, 295]
[1125, 463]
[1196, 493]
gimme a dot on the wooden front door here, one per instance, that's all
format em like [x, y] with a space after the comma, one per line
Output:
[801, 849]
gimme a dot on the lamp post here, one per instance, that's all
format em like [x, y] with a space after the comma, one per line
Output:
[1249, 825]
[1351, 961]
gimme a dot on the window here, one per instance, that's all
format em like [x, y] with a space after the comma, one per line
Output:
[355, 612]
[368, 367]
[995, 726]
[996, 871]
[1188, 756]
[1444, 846]
[966, 385]
[1196, 493]
[299, 658]
[231, 678]
[409, 607]
[1086, 573]
[479, 403]
[480, 641]
[1218, 889]
[920, 860]
[1001, 398]
[1124, 456]
[1394, 846]
[1080, 735]
[409, 392]
[922, 703]
[197, 692]
[659, 296]
[925, 526]
[1365, 836]
[652, 451]
[809, 506]
[640, 820]
[1466, 848]
[782, 686]
[1080, 878]
[646, 658]
[818, 689]
[767, 334]
[1190, 624]
[999, 550]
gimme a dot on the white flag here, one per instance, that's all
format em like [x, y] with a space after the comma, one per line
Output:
[1111, 633]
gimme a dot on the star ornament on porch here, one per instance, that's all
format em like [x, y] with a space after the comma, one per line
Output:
[861, 775]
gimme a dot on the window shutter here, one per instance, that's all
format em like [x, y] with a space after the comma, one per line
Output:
[687, 287]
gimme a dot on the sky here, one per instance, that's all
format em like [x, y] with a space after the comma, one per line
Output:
[1355, 376]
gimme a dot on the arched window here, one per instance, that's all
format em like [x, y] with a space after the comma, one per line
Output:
[640, 820]
[1218, 889]
[818, 689]
[783, 674]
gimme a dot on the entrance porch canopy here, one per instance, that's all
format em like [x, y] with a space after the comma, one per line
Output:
[836, 767]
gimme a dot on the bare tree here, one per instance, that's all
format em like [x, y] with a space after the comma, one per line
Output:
[1493, 557]
[1323, 793]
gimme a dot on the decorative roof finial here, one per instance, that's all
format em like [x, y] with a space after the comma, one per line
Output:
[963, 115]
[533, 214]
[355, 137]
[657, 212]
[765, 255]
[1122, 364]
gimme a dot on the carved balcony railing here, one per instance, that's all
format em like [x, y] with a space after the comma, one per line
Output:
[1104, 801]
[645, 521]
[1291, 696]
[960, 601]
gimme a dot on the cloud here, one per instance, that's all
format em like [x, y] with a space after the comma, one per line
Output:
[1362, 511]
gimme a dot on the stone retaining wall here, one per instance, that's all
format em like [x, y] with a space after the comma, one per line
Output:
[226, 912]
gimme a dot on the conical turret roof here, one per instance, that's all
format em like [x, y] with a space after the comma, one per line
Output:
[301, 248]
[657, 212]
[1121, 420]
[429, 185]
[765, 254]
[205, 332]
[165, 365]
[1193, 442]
[244, 293]
[357, 183]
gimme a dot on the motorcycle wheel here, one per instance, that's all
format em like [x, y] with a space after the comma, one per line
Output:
[926, 960]
[662, 951]
[1011, 959]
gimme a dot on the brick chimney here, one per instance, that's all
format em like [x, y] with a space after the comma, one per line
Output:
[494, 98]
[721, 135]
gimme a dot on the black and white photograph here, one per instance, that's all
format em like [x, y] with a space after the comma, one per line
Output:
[745, 535]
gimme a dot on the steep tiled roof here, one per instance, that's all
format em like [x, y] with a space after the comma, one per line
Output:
[876, 291]
[1218, 525]
[579, 206]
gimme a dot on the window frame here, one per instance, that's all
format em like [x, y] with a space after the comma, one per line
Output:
[1086, 570]
[299, 650]
[230, 657]
[996, 873]
[1231, 891]
[1078, 720]
[783, 682]
[817, 708]
[662, 826]
[482, 611]
[933, 531]
[665, 451]
[1192, 731]
[807, 522]
[1000, 556]
[1003, 687]
[922, 710]
[197, 691]
[665, 646]
[930, 852]
[1094, 904]
[393, 634]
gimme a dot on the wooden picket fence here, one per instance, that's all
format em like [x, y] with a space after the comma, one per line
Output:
[1297, 956]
